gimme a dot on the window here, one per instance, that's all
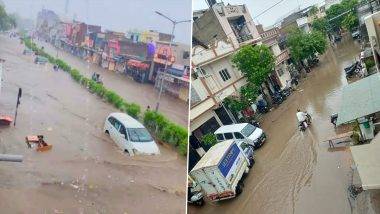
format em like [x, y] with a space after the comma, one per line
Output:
[112, 120]
[228, 136]
[225, 75]
[123, 131]
[117, 125]
[219, 137]
[139, 135]
[248, 130]
[280, 72]
[238, 135]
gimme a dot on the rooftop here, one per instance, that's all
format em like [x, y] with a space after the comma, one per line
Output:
[213, 155]
[360, 99]
[231, 128]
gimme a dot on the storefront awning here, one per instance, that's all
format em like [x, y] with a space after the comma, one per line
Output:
[137, 64]
[175, 72]
[360, 99]
[367, 161]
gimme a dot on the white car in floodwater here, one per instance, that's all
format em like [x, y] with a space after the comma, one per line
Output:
[130, 135]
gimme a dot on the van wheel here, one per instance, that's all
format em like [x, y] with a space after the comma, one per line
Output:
[251, 162]
[239, 189]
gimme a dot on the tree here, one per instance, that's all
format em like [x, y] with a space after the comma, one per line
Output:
[305, 45]
[255, 62]
[6, 21]
[350, 21]
[320, 25]
[313, 10]
[343, 15]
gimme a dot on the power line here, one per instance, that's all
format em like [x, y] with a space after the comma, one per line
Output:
[266, 10]
[247, 22]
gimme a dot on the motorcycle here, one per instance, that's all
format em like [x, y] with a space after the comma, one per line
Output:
[286, 92]
[255, 123]
[334, 119]
[195, 197]
[303, 126]
[96, 77]
[352, 70]
[278, 98]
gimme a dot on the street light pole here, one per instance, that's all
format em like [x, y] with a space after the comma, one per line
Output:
[174, 22]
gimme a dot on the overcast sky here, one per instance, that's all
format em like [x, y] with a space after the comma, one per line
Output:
[256, 7]
[118, 15]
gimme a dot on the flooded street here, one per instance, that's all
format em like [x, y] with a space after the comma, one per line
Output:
[143, 94]
[295, 172]
[85, 172]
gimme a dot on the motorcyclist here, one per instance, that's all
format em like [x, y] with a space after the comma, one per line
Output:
[301, 117]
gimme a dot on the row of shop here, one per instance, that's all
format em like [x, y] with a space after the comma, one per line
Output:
[175, 80]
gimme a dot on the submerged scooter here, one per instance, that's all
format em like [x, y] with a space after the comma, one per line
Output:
[195, 197]
[303, 126]
[96, 77]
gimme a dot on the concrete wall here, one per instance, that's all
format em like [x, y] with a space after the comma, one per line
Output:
[373, 34]
[214, 24]
[215, 81]
[285, 76]
[207, 28]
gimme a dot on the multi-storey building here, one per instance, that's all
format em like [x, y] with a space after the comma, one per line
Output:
[218, 32]
[220, 22]
[280, 76]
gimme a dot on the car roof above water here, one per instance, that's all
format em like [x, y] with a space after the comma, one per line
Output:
[230, 128]
[126, 120]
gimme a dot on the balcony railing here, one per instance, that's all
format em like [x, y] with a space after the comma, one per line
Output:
[269, 34]
[218, 50]
[284, 55]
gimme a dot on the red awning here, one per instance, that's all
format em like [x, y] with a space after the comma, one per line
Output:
[137, 64]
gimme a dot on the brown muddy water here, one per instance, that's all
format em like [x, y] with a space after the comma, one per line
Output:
[84, 172]
[295, 172]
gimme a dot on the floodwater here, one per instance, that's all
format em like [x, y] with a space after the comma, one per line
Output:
[143, 94]
[296, 172]
[84, 172]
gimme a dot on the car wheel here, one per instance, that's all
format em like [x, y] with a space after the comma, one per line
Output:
[239, 189]
[250, 164]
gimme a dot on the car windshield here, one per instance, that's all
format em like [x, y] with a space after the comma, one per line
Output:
[139, 135]
[248, 130]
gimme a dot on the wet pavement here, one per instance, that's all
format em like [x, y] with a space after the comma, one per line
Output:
[143, 94]
[84, 172]
[296, 172]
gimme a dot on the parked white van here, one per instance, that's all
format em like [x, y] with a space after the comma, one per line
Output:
[129, 134]
[241, 131]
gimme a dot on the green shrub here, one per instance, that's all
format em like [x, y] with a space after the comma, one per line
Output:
[76, 75]
[85, 81]
[62, 65]
[182, 147]
[166, 131]
[133, 110]
[99, 89]
[209, 139]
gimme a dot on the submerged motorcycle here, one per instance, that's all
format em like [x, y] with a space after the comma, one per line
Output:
[303, 126]
[195, 197]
